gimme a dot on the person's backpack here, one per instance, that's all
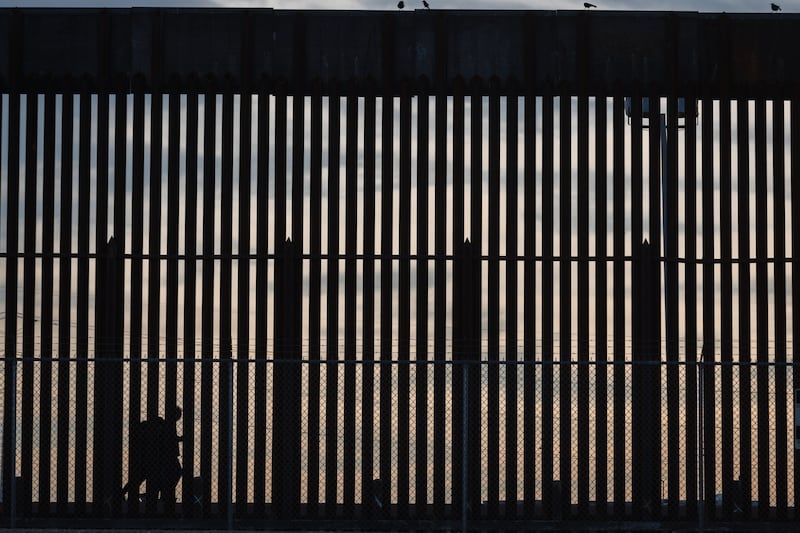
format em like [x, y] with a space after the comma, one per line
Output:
[145, 443]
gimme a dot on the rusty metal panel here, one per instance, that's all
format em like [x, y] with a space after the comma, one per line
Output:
[201, 45]
[70, 46]
[485, 45]
[342, 45]
[761, 53]
[575, 51]
[7, 47]
[628, 48]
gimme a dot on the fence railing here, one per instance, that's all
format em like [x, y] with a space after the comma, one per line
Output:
[406, 439]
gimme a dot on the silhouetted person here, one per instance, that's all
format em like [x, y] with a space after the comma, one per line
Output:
[775, 7]
[587, 5]
[154, 457]
[401, 4]
[170, 472]
[426, 4]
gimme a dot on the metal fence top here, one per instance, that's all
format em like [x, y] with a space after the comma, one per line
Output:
[394, 53]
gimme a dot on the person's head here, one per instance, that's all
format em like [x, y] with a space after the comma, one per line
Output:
[174, 414]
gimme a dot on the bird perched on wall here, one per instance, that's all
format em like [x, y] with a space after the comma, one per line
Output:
[400, 4]
[426, 4]
[775, 7]
[587, 5]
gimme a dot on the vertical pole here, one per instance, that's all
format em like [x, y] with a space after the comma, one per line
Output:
[618, 347]
[583, 306]
[82, 317]
[601, 299]
[295, 374]
[154, 318]
[13, 455]
[11, 286]
[387, 201]
[262, 233]
[295, 316]
[28, 301]
[669, 143]
[565, 304]
[229, 458]
[547, 304]
[662, 126]
[286, 461]
[207, 322]
[137, 239]
[529, 304]
[108, 400]
[64, 304]
[314, 305]
[465, 445]
[173, 226]
[421, 441]
[472, 280]
[467, 396]
[440, 272]
[404, 305]
[189, 303]
[646, 386]
[368, 379]
[48, 234]
[690, 303]
[512, 403]
[763, 450]
[493, 309]
[726, 307]
[781, 481]
[3, 463]
[441, 216]
[709, 311]
[794, 180]
[154, 271]
[332, 355]
[701, 512]
[243, 449]
[225, 285]
[350, 370]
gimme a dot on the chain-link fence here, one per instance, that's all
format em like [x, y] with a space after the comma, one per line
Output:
[386, 440]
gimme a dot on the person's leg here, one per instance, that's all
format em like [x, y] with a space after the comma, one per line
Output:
[172, 476]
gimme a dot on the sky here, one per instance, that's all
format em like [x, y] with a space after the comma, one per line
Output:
[730, 6]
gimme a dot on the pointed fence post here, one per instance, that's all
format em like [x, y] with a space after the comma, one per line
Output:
[108, 382]
[647, 385]
[467, 381]
[287, 416]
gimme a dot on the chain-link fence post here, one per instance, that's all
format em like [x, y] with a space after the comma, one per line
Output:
[465, 446]
[700, 454]
[646, 385]
[12, 462]
[108, 382]
[229, 480]
[287, 416]
[466, 346]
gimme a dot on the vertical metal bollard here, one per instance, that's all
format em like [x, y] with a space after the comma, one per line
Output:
[465, 446]
[12, 514]
[700, 465]
[230, 446]
[466, 335]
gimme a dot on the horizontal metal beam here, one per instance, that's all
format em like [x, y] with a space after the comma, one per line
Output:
[510, 52]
